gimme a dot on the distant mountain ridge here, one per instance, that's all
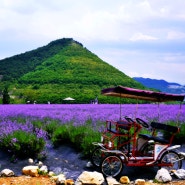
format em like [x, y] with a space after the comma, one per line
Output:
[161, 85]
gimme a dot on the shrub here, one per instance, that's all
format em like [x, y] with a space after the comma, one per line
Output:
[90, 137]
[179, 138]
[51, 127]
[22, 144]
[60, 135]
[81, 137]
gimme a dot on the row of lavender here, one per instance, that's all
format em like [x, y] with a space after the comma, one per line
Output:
[32, 123]
[80, 113]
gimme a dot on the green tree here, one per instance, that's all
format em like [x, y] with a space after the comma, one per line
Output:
[6, 96]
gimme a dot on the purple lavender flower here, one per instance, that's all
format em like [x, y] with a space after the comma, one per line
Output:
[79, 114]
[14, 140]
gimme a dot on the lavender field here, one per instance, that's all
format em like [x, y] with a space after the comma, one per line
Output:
[30, 125]
[81, 113]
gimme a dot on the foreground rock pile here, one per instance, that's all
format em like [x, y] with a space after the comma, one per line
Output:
[94, 178]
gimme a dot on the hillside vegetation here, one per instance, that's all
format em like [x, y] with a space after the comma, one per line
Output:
[63, 68]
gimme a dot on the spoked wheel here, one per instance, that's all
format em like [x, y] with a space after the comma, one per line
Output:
[97, 156]
[112, 165]
[172, 160]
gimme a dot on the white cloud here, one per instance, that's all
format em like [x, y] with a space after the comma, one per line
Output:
[140, 36]
[175, 35]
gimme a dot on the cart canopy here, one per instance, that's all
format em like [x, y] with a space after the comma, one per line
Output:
[127, 92]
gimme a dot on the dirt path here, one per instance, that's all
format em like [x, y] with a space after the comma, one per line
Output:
[26, 180]
[63, 159]
[66, 160]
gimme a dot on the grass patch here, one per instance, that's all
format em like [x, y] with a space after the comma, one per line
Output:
[22, 144]
[81, 137]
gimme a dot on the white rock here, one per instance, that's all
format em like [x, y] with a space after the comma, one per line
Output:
[90, 178]
[7, 173]
[31, 171]
[50, 174]
[61, 179]
[30, 161]
[89, 164]
[112, 181]
[44, 169]
[180, 173]
[163, 175]
[140, 182]
[40, 163]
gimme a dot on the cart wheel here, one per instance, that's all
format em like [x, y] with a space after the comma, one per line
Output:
[143, 123]
[173, 158]
[97, 156]
[111, 165]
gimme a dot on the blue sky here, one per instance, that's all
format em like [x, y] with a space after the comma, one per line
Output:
[142, 38]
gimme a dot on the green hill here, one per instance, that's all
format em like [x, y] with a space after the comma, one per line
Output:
[58, 70]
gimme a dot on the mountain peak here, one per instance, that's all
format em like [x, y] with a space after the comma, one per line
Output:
[58, 70]
[161, 85]
[64, 42]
